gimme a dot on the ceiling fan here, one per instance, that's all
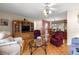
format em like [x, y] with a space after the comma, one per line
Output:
[48, 8]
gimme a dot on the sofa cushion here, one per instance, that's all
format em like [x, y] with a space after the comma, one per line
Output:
[3, 41]
[9, 39]
[2, 35]
[12, 49]
[8, 43]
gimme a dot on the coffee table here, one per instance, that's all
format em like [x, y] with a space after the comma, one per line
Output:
[36, 44]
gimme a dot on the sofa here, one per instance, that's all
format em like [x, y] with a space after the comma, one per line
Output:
[10, 45]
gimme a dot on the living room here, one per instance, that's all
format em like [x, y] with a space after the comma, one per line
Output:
[38, 28]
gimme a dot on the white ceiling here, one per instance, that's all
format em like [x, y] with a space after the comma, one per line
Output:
[34, 10]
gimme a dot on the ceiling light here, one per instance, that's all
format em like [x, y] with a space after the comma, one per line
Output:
[47, 12]
[50, 11]
[44, 11]
[48, 8]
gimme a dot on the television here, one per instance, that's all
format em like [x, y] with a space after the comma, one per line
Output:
[25, 28]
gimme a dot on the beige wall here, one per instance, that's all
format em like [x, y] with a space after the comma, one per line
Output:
[37, 24]
[72, 24]
[10, 17]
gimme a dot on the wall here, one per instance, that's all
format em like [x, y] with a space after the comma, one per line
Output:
[72, 24]
[37, 24]
[10, 17]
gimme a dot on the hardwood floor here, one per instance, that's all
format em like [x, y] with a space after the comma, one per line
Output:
[51, 50]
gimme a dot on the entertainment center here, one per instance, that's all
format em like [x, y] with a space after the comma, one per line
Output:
[22, 26]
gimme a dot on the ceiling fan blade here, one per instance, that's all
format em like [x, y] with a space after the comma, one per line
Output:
[51, 4]
[54, 9]
[48, 4]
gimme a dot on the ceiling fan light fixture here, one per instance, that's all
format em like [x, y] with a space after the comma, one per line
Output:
[50, 11]
[45, 13]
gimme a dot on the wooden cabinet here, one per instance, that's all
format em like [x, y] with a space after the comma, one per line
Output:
[22, 26]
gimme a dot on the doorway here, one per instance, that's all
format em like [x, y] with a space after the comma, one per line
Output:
[45, 29]
[60, 25]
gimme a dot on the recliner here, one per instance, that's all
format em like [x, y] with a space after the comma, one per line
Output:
[57, 38]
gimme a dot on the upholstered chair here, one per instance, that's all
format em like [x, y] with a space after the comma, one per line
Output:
[74, 47]
[57, 38]
[36, 33]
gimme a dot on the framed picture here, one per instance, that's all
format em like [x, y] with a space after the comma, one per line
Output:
[3, 22]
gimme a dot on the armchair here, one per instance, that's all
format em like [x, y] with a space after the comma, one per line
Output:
[74, 47]
[36, 33]
[57, 38]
